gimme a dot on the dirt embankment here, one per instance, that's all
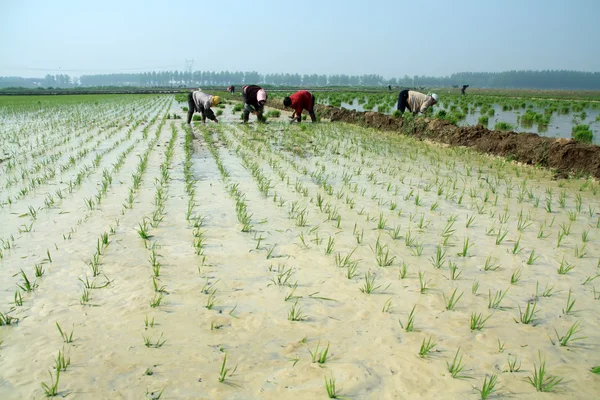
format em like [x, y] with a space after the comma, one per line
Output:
[565, 156]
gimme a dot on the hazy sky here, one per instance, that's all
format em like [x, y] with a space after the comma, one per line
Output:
[386, 37]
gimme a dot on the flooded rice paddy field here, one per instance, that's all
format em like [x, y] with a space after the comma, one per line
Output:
[269, 261]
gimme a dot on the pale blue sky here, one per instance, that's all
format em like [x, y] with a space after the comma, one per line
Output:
[387, 37]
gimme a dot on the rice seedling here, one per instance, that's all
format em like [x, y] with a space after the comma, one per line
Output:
[387, 306]
[590, 279]
[478, 321]
[452, 300]
[475, 287]
[526, 317]
[540, 380]
[456, 367]
[156, 300]
[62, 362]
[67, 337]
[516, 247]
[7, 320]
[26, 285]
[51, 389]
[369, 285]
[330, 388]
[568, 336]
[579, 252]
[296, 313]
[18, 299]
[488, 387]
[500, 236]
[470, 221]
[494, 302]
[395, 233]
[39, 270]
[564, 267]
[514, 365]
[319, 356]
[440, 257]
[570, 304]
[143, 230]
[426, 347]
[403, 271]
[148, 342]
[330, 245]
[423, 283]
[465, 248]
[515, 277]
[501, 346]
[282, 275]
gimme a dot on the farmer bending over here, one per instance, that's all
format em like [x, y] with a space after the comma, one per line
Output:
[301, 100]
[254, 98]
[201, 102]
[415, 102]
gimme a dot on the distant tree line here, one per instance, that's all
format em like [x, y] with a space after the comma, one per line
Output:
[574, 80]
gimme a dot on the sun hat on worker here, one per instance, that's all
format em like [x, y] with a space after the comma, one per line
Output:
[435, 97]
[216, 100]
[261, 95]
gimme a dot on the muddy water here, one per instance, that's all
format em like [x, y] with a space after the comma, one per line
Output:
[380, 184]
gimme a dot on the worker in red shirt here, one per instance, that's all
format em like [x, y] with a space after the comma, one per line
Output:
[301, 100]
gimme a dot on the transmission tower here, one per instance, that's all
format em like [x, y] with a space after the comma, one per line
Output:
[189, 64]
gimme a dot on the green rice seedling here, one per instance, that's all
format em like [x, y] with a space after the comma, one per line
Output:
[465, 248]
[387, 306]
[155, 302]
[6, 319]
[568, 336]
[500, 236]
[85, 297]
[270, 251]
[51, 389]
[440, 257]
[579, 252]
[157, 287]
[478, 322]
[18, 299]
[369, 286]
[423, 283]
[501, 346]
[569, 306]
[330, 245]
[148, 342]
[456, 367]
[514, 365]
[490, 264]
[395, 233]
[516, 247]
[540, 380]
[489, 386]
[296, 313]
[62, 362]
[470, 221]
[526, 317]
[148, 322]
[515, 277]
[565, 229]
[382, 222]
[319, 356]
[578, 202]
[26, 285]
[403, 271]
[39, 270]
[67, 337]
[426, 347]
[585, 236]
[290, 295]
[452, 300]
[32, 212]
[590, 279]
[282, 275]
[532, 257]
[572, 215]
[382, 256]
[564, 267]
[454, 271]
[48, 257]
[211, 300]
[143, 230]
[410, 322]
[330, 388]
[494, 302]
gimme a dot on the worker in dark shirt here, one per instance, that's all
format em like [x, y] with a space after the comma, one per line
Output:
[462, 91]
[301, 100]
[254, 98]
